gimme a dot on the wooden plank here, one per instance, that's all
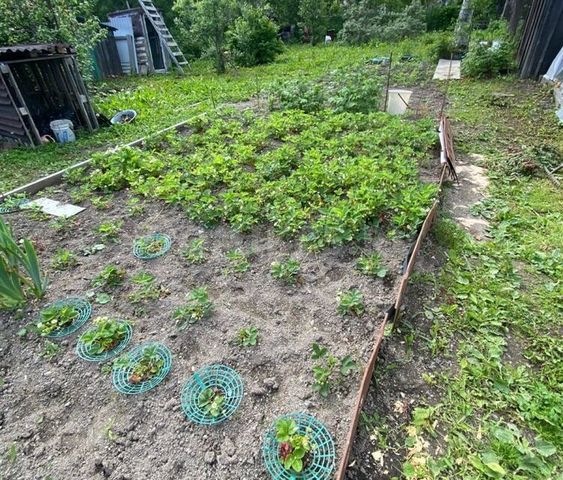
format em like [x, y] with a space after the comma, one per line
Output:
[34, 133]
[76, 93]
[7, 90]
[82, 88]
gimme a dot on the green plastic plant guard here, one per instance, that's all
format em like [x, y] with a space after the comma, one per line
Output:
[321, 462]
[121, 375]
[85, 353]
[217, 377]
[84, 309]
[141, 253]
[14, 207]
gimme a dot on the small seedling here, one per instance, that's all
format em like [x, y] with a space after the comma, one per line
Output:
[36, 213]
[195, 251]
[55, 318]
[247, 337]
[329, 370]
[64, 260]
[12, 452]
[110, 277]
[238, 262]
[197, 308]
[106, 335]
[286, 271]
[135, 207]
[50, 350]
[81, 193]
[108, 431]
[149, 365]
[63, 224]
[146, 288]
[351, 303]
[371, 265]
[294, 448]
[150, 246]
[102, 203]
[212, 401]
[110, 230]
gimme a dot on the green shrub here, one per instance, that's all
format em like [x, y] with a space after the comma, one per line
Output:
[253, 39]
[302, 95]
[491, 52]
[441, 17]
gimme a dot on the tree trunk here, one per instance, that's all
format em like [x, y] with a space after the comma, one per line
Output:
[463, 27]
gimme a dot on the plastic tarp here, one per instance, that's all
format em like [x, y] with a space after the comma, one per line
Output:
[555, 71]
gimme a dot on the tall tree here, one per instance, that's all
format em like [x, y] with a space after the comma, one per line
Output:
[313, 18]
[208, 21]
[44, 21]
[463, 27]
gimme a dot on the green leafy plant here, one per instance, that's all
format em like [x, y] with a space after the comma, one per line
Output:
[102, 203]
[36, 213]
[238, 262]
[212, 401]
[55, 318]
[329, 370]
[149, 365]
[19, 270]
[146, 288]
[110, 277]
[151, 245]
[64, 260]
[106, 334]
[294, 448]
[286, 271]
[13, 202]
[198, 307]
[50, 350]
[110, 230]
[351, 302]
[134, 207]
[63, 224]
[195, 251]
[247, 337]
[371, 265]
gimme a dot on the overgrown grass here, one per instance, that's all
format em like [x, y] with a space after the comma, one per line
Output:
[500, 414]
[162, 100]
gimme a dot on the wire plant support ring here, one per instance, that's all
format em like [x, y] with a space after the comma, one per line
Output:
[321, 462]
[220, 379]
[82, 307]
[122, 374]
[12, 205]
[85, 353]
[143, 247]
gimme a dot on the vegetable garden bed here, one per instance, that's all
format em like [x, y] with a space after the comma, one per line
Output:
[287, 237]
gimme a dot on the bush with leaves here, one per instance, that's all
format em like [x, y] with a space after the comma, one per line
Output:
[253, 39]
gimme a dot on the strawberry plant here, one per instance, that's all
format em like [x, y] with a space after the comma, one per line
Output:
[371, 265]
[247, 337]
[102, 203]
[351, 303]
[151, 246]
[110, 230]
[55, 318]
[238, 262]
[106, 335]
[64, 260]
[110, 277]
[197, 308]
[146, 288]
[212, 401]
[134, 207]
[329, 370]
[286, 271]
[195, 251]
[294, 448]
[149, 365]
[63, 224]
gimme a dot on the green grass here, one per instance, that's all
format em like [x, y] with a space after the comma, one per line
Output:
[163, 100]
[500, 414]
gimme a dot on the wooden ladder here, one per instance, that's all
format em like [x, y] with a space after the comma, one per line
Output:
[164, 34]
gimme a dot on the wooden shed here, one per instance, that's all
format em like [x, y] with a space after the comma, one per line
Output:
[39, 84]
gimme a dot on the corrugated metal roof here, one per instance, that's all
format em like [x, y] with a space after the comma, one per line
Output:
[12, 52]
